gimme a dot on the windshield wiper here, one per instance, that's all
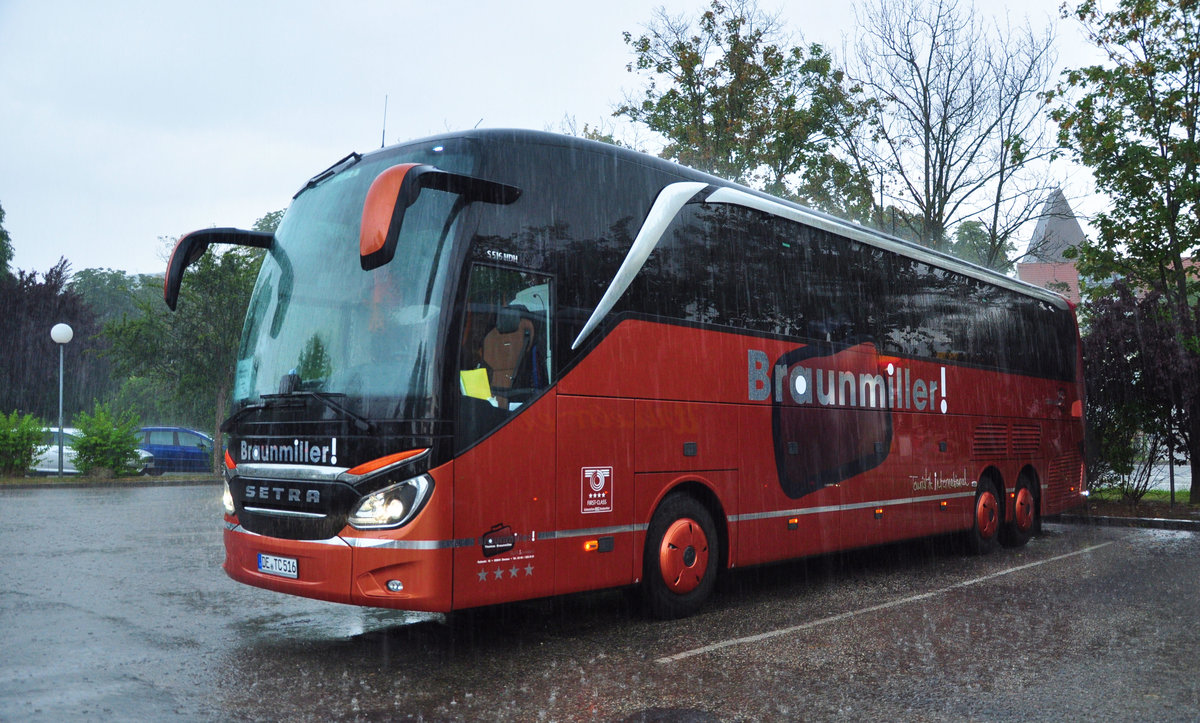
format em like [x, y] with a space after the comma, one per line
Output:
[361, 423]
[291, 399]
[333, 170]
[228, 424]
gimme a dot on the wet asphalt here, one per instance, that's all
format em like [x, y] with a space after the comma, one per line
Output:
[113, 606]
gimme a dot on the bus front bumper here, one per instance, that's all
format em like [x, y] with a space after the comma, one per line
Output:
[371, 572]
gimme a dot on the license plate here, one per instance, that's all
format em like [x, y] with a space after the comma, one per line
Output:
[281, 566]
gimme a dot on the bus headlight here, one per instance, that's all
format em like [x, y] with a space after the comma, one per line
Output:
[227, 500]
[392, 506]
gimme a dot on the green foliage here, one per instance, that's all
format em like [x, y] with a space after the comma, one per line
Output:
[975, 243]
[113, 295]
[1135, 121]
[188, 356]
[270, 221]
[107, 442]
[732, 99]
[20, 442]
[314, 361]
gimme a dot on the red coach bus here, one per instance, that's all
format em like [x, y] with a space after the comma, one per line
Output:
[501, 365]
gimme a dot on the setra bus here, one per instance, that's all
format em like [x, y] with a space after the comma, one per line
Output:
[498, 365]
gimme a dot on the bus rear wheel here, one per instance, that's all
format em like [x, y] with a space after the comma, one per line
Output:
[1017, 531]
[985, 528]
[680, 561]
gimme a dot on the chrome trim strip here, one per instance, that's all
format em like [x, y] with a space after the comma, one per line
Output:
[737, 197]
[335, 541]
[591, 531]
[784, 513]
[294, 472]
[285, 513]
[428, 545]
[382, 544]
[666, 206]
[378, 544]
[845, 508]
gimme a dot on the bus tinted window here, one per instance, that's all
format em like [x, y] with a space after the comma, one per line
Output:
[741, 268]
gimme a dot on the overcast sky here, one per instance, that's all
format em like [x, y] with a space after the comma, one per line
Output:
[123, 122]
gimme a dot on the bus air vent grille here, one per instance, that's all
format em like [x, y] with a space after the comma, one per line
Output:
[991, 440]
[1026, 439]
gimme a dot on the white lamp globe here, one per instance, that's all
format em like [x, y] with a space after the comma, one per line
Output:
[62, 333]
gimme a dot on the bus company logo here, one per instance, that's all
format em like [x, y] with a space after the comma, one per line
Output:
[300, 451]
[891, 388]
[498, 540]
[596, 490]
[277, 493]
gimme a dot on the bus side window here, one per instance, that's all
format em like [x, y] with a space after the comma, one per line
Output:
[504, 361]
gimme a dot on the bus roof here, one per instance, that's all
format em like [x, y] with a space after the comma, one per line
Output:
[768, 203]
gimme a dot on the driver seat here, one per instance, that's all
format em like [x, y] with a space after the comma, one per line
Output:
[505, 347]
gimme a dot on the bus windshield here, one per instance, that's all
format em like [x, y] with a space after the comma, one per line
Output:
[318, 323]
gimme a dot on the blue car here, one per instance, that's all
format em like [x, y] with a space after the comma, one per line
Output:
[178, 449]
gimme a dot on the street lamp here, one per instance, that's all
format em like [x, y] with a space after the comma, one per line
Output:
[62, 335]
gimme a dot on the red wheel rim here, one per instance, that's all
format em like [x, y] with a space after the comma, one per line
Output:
[1023, 512]
[683, 556]
[986, 517]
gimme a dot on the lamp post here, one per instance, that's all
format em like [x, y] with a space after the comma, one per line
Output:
[62, 335]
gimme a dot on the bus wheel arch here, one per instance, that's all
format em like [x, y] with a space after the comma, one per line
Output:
[1026, 511]
[684, 549]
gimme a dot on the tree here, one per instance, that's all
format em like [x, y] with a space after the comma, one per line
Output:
[192, 351]
[29, 362]
[974, 242]
[730, 98]
[957, 119]
[1139, 375]
[113, 294]
[270, 221]
[6, 249]
[1135, 120]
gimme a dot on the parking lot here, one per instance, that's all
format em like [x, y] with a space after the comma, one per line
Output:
[115, 606]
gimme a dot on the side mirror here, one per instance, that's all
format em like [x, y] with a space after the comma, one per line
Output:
[192, 246]
[397, 188]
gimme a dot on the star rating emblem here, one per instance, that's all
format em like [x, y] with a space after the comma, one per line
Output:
[499, 573]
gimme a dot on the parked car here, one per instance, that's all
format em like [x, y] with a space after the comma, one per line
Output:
[47, 462]
[178, 449]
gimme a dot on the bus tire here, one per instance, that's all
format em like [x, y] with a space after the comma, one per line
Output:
[1017, 531]
[680, 561]
[986, 519]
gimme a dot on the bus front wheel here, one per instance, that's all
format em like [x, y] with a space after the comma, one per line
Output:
[680, 561]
